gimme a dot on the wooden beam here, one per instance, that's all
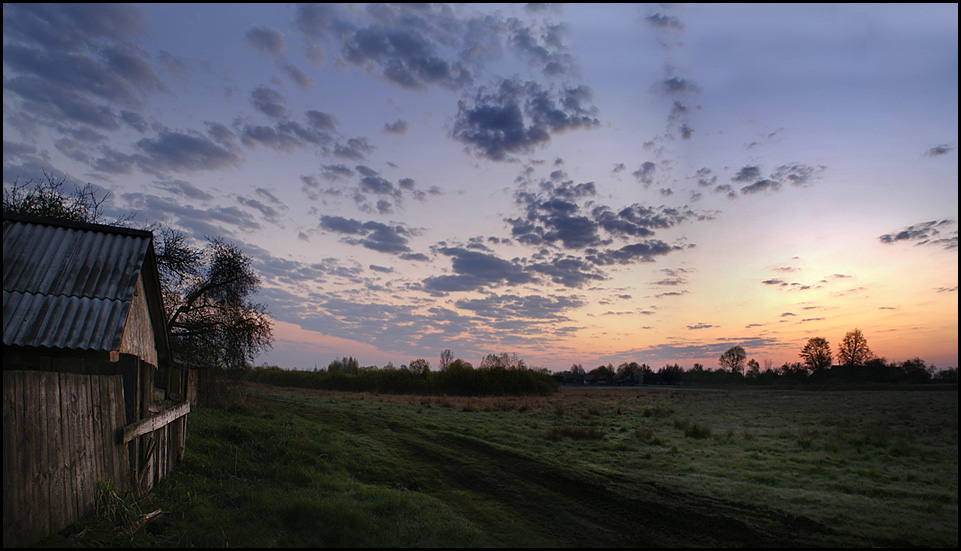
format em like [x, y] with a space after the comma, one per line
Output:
[154, 422]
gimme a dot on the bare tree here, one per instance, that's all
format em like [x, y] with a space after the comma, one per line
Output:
[446, 357]
[209, 313]
[47, 196]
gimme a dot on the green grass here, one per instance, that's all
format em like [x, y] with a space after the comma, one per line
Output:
[582, 467]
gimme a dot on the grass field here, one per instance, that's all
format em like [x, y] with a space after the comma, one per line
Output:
[583, 467]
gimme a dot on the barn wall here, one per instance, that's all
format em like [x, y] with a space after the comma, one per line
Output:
[59, 441]
[62, 414]
[138, 334]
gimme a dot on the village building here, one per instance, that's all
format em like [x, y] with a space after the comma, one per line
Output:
[91, 395]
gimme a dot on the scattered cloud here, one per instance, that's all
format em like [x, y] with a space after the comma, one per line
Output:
[937, 233]
[938, 150]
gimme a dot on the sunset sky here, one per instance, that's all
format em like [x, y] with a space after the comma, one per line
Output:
[574, 183]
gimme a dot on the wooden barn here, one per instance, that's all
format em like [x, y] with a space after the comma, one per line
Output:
[90, 392]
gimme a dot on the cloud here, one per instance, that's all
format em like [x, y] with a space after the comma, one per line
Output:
[76, 63]
[554, 217]
[266, 40]
[678, 86]
[667, 22]
[700, 326]
[269, 102]
[747, 174]
[938, 150]
[181, 152]
[529, 307]
[645, 174]
[475, 270]
[185, 190]
[354, 149]
[761, 185]
[376, 236]
[518, 117]
[399, 127]
[568, 271]
[926, 233]
[295, 73]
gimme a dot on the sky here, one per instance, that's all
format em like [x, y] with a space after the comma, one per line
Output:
[574, 183]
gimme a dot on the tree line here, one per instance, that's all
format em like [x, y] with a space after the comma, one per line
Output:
[497, 375]
[855, 364]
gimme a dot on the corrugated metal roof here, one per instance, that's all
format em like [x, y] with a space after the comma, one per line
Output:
[68, 285]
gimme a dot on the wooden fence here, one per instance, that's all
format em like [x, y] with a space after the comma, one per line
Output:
[63, 433]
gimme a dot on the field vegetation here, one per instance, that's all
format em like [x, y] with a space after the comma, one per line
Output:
[579, 467]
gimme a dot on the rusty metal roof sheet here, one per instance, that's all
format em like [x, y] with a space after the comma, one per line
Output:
[66, 284]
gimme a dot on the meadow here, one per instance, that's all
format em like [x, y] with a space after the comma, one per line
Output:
[592, 467]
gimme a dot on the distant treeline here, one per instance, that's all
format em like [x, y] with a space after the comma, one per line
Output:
[458, 378]
[876, 370]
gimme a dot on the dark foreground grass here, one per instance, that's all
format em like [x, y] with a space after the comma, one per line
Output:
[584, 467]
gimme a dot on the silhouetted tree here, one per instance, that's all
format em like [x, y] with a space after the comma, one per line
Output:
[816, 353]
[733, 359]
[854, 349]
[419, 367]
[347, 364]
[446, 357]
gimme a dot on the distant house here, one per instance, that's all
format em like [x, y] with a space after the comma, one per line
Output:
[90, 392]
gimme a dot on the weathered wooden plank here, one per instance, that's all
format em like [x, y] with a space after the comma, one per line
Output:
[31, 444]
[55, 491]
[12, 482]
[154, 422]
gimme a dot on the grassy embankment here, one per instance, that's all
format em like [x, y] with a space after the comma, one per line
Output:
[594, 467]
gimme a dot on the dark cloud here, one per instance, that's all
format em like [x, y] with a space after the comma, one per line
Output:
[181, 152]
[355, 149]
[71, 26]
[397, 127]
[796, 174]
[475, 270]
[518, 117]
[760, 186]
[645, 174]
[568, 271]
[229, 221]
[376, 236]
[297, 75]
[700, 326]
[266, 39]
[705, 177]
[403, 56]
[270, 213]
[321, 121]
[543, 46]
[662, 21]
[938, 150]
[747, 174]
[377, 185]
[75, 63]
[646, 251]
[927, 233]
[269, 102]
[185, 189]
[678, 86]
[531, 307]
